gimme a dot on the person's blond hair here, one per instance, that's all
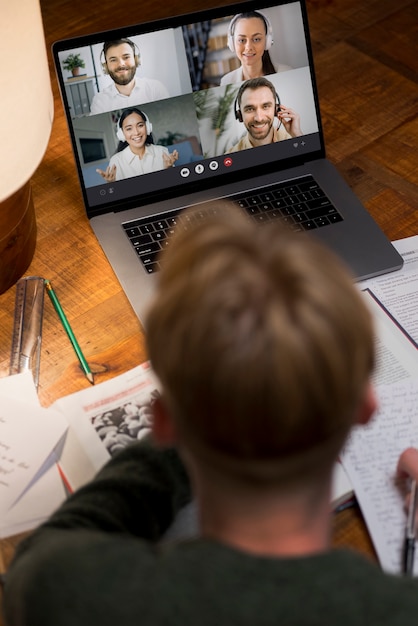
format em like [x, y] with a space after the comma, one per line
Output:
[262, 344]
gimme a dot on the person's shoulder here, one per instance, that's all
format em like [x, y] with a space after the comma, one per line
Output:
[281, 67]
[154, 84]
[122, 159]
[118, 156]
[226, 80]
[235, 76]
[79, 562]
[106, 92]
[280, 134]
[101, 102]
[160, 148]
[242, 144]
[359, 582]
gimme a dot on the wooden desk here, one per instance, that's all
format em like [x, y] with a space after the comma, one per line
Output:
[367, 69]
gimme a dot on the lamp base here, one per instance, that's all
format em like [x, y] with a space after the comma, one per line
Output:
[17, 236]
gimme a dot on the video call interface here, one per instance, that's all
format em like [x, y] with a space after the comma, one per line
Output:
[182, 112]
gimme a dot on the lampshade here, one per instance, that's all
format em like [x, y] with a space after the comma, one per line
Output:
[26, 114]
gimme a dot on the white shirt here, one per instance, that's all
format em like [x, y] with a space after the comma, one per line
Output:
[145, 90]
[129, 164]
[279, 134]
[236, 75]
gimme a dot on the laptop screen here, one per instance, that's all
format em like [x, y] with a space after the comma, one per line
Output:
[166, 107]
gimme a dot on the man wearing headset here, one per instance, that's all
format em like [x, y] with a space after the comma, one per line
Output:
[257, 106]
[120, 60]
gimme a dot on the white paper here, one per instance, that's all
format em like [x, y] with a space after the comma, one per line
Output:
[43, 495]
[371, 453]
[396, 360]
[370, 457]
[28, 435]
[20, 386]
[36, 505]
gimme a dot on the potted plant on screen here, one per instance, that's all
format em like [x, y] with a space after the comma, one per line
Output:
[73, 63]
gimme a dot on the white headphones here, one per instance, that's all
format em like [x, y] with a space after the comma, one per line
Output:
[148, 125]
[231, 28]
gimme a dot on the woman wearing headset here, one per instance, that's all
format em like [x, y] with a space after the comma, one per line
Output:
[136, 154]
[250, 36]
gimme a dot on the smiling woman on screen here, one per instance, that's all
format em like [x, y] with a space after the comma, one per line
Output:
[250, 37]
[137, 154]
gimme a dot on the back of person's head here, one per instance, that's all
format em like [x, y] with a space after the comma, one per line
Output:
[262, 344]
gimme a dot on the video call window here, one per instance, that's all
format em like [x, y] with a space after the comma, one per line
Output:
[190, 102]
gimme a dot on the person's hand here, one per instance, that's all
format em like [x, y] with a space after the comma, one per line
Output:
[408, 468]
[408, 464]
[109, 175]
[290, 120]
[170, 158]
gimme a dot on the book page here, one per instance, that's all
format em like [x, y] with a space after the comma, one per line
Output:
[103, 419]
[396, 353]
[398, 291]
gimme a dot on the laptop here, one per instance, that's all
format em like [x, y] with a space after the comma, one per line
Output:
[187, 75]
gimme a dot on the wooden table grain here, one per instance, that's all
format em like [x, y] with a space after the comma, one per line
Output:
[366, 61]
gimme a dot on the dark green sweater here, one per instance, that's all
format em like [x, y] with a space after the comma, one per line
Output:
[99, 562]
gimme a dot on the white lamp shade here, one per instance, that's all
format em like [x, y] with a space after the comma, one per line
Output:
[26, 102]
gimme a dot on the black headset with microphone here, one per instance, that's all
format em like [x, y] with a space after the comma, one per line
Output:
[237, 110]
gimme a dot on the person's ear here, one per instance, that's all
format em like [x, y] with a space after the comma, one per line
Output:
[163, 428]
[368, 406]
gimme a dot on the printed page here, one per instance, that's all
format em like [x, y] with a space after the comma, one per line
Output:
[396, 353]
[398, 291]
[103, 419]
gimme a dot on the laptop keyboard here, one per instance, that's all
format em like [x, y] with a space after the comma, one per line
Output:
[300, 203]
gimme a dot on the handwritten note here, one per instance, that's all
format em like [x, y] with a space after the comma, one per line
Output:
[28, 434]
[370, 458]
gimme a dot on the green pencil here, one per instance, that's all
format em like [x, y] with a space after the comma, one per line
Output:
[57, 306]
